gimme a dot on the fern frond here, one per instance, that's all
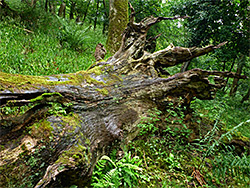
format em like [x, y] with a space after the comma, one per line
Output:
[105, 157]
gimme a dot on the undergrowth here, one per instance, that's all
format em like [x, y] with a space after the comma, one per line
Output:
[60, 47]
[169, 156]
[229, 110]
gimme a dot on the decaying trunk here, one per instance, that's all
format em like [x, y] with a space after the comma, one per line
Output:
[62, 124]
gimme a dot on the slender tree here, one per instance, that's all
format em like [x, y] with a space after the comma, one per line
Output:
[97, 12]
[86, 11]
[239, 71]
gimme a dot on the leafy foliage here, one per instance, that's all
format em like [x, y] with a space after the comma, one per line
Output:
[228, 110]
[163, 145]
[217, 21]
[116, 173]
[172, 32]
[227, 164]
[71, 34]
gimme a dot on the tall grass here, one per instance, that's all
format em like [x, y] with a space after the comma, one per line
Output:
[42, 50]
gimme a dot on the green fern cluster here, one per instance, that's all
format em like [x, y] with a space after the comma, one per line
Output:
[229, 164]
[226, 164]
[125, 172]
[71, 34]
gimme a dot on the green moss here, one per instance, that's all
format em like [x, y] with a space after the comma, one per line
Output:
[98, 70]
[81, 76]
[17, 81]
[117, 25]
[25, 172]
[14, 82]
[76, 155]
[41, 130]
[46, 96]
[73, 120]
[91, 80]
[103, 91]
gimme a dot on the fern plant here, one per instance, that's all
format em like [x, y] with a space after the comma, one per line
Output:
[72, 34]
[225, 164]
[119, 173]
[215, 143]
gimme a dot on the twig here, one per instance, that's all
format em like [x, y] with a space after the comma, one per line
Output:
[28, 30]
[145, 159]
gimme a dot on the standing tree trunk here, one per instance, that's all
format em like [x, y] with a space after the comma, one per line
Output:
[232, 65]
[62, 9]
[33, 3]
[97, 12]
[246, 97]
[118, 19]
[46, 5]
[106, 17]
[62, 124]
[52, 7]
[86, 12]
[236, 80]
[72, 10]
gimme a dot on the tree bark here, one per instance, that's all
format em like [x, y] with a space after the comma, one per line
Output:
[46, 5]
[118, 19]
[232, 65]
[184, 66]
[33, 3]
[86, 12]
[72, 10]
[61, 125]
[52, 7]
[106, 17]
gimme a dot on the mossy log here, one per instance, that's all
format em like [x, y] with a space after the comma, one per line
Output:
[58, 126]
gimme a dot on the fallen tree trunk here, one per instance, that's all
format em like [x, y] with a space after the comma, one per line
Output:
[62, 124]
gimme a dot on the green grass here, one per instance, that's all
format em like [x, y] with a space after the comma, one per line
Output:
[228, 110]
[42, 51]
